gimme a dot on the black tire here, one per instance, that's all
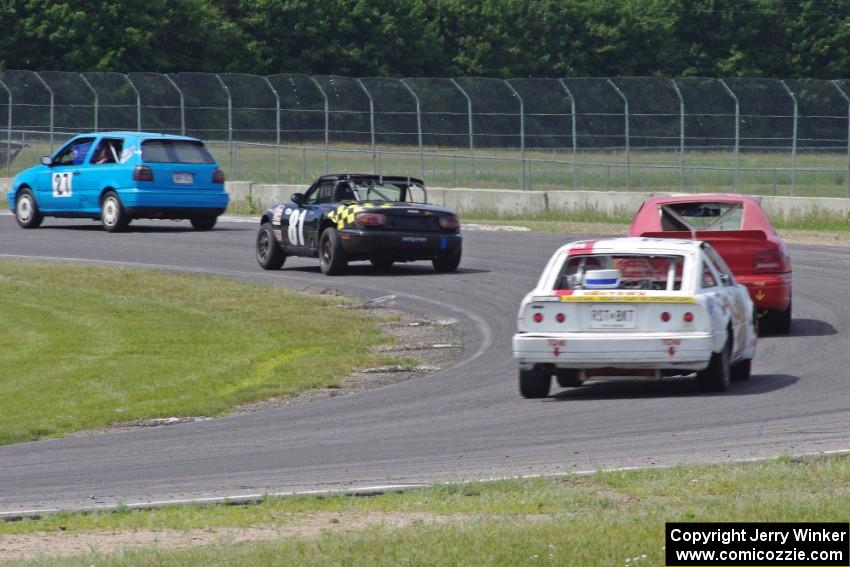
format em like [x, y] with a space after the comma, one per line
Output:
[26, 210]
[568, 378]
[534, 384]
[741, 370]
[332, 260]
[270, 256]
[382, 262]
[716, 377]
[781, 321]
[112, 214]
[203, 222]
[447, 262]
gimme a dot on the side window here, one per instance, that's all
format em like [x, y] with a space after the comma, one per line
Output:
[74, 153]
[108, 151]
[709, 279]
[324, 193]
[726, 277]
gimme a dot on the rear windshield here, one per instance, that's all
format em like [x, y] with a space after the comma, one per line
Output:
[621, 271]
[175, 151]
[702, 216]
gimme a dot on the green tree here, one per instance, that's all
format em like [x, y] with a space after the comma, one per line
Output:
[120, 35]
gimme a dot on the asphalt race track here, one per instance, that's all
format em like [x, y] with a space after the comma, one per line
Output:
[467, 421]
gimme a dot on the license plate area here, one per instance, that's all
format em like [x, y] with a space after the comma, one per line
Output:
[612, 317]
[181, 178]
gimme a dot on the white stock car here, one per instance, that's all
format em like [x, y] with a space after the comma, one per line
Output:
[634, 307]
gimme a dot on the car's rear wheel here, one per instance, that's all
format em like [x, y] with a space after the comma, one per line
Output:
[568, 378]
[447, 261]
[203, 222]
[534, 383]
[741, 370]
[716, 377]
[781, 321]
[269, 254]
[112, 214]
[26, 211]
[332, 260]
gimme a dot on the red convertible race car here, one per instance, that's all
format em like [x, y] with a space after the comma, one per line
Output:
[738, 228]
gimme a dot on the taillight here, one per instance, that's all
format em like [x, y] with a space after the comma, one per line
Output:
[560, 317]
[142, 173]
[665, 316]
[538, 317]
[218, 175]
[449, 222]
[769, 262]
[688, 317]
[370, 219]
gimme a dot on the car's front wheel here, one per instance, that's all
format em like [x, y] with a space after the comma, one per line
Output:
[716, 377]
[203, 222]
[447, 261]
[534, 383]
[269, 254]
[26, 211]
[112, 214]
[332, 260]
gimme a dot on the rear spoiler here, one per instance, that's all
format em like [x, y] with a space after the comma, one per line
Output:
[709, 235]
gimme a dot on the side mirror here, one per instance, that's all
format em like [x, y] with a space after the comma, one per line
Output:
[46, 160]
[297, 198]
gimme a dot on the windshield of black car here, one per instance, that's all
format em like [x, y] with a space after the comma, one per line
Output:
[374, 190]
[175, 151]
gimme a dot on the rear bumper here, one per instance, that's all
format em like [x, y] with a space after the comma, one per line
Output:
[172, 204]
[400, 245]
[768, 291]
[581, 351]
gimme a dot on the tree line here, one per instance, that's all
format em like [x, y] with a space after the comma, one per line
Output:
[496, 38]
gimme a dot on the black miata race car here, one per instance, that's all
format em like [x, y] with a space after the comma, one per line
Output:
[349, 217]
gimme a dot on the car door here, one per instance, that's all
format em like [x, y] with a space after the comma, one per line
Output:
[56, 187]
[717, 284]
[103, 167]
[299, 226]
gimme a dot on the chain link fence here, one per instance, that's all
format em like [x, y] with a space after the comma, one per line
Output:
[761, 136]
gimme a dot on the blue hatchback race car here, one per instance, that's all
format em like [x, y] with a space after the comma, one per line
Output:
[115, 177]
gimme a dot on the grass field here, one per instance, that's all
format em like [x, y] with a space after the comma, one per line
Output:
[818, 174]
[605, 519]
[84, 347]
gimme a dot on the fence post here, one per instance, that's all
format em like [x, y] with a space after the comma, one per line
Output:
[327, 122]
[681, 135]
[371, 124]
[418, 126]
[229, 123]
[525, 183]
[8, 129]
[138, 103]
[847, 99]
[573, 111]
[628, 152]
[737, 130]
[182, 105]
[276, 123]
[96, 99]
[49, 90]
[469, 113]
[793, 140]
